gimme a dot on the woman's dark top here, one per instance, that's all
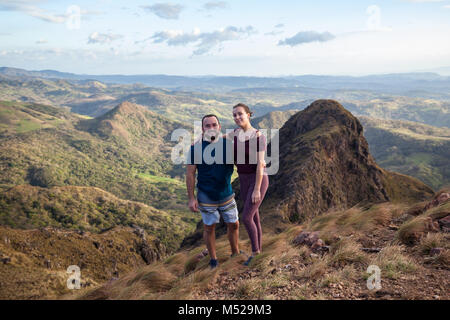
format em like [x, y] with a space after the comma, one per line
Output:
[248, 164]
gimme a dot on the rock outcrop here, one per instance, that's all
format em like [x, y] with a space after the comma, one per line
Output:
[324, 163]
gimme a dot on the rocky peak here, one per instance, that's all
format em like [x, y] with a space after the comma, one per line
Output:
[325, 163]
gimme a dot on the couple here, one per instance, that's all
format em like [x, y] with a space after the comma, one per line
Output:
[215, 196]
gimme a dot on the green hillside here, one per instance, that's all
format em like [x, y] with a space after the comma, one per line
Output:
[410, 148]
[58, 148]
[89, 209]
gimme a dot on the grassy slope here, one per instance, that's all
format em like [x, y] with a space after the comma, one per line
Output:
[286, 271]
[39, 258]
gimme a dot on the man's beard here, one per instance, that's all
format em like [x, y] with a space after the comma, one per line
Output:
[211, 135]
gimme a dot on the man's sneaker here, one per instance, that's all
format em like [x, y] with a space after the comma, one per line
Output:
[213, 263]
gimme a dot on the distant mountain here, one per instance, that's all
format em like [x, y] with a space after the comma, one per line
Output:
[392, 83]
[135, 124]
[428, 111]
[410, 148]
[94, 98]
[443, 71]
[273, 120]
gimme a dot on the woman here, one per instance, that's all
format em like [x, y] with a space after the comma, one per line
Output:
[252, 176]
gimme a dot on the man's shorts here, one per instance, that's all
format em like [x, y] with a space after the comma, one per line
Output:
[212, 210]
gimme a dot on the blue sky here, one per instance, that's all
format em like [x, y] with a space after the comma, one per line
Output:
[247, 37]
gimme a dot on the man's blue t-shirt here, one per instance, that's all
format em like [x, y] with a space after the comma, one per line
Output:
[214, 173]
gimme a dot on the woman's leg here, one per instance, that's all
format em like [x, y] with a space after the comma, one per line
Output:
[258, 229]
[247, 183]
[250, 214]
[256, 219]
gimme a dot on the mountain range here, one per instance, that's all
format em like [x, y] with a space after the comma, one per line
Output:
[393, 83]
[86, 179]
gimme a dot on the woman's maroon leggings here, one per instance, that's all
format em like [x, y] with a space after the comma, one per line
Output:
[250, 213]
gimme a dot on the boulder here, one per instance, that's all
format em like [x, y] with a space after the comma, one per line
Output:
[310, 239]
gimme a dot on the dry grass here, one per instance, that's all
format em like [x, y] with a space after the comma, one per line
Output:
[356, 220]
[158, 280]
[249, 289]
[277, 249]
[176, 263]
[300, 293]
[439, 211]
[315, 270]
[442, 259]
[411, 230]
[343, 276]
[347, 251]
[260, 288]
[433, 240]
[414, 229]
[393, 262]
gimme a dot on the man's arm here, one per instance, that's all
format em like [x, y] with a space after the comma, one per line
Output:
[190, 185]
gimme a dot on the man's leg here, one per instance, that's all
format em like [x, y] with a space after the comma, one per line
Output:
[209, 235]
[233, 236]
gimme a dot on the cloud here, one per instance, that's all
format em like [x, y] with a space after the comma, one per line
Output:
[30, 8]
[213, 5]
[305, 37]
[103, 38]
[41, 41]
[165, 10]
[205, 41]
[273, 33]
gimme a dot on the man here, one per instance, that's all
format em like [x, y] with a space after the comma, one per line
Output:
[215, 196]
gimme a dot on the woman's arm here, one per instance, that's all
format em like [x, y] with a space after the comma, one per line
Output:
[256, 195]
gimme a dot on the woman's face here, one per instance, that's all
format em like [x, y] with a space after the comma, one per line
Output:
[240, 116]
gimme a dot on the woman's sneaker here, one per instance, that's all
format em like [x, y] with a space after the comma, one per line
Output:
[246, 263]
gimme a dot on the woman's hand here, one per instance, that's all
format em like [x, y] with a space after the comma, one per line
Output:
[256, 196]
[263, 163]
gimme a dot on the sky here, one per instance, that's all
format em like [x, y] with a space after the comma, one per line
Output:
[239, 38]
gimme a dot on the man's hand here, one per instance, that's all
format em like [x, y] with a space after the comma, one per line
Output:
[193, 205]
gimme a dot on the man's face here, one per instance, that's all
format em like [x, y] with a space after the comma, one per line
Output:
[211, 129]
